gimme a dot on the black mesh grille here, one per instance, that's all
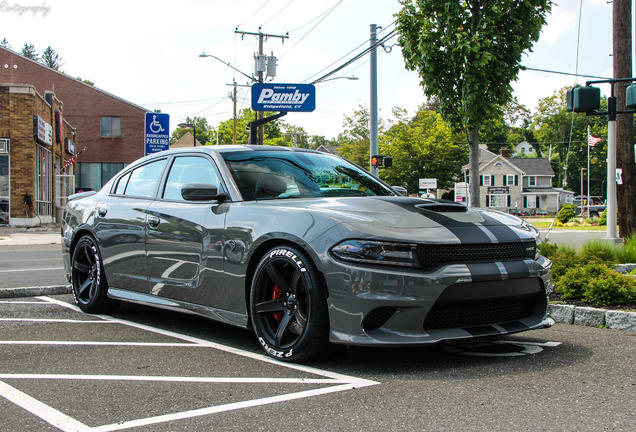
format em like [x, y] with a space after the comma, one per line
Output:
[470, 314]
[438, 254]
[377, 317]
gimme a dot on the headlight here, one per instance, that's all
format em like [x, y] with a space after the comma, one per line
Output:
[377, 252]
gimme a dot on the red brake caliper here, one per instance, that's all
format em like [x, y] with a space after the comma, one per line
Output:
[278, 316]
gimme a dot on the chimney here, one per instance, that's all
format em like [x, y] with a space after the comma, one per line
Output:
[504, 152]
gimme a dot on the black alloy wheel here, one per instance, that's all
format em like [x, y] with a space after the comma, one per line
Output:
[288, 306]
[88, 279]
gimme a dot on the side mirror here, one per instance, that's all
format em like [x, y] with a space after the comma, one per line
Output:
[200, 192]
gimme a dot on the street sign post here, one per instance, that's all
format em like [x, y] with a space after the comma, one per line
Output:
[157, 132]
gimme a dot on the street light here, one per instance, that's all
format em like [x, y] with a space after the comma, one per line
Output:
[228, 64]
[190, 126]
[351, 78]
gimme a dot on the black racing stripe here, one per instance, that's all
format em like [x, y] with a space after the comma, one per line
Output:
[516, 269]
[482, 330]
[466, 232]
[503, 233]
[483, 272]
[513, 326]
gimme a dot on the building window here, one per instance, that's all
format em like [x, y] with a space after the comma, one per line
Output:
[532, 181]
[93, 175]
[111, 126]
[44, 182]
[510, 179]
[486, 180]
[497, 200]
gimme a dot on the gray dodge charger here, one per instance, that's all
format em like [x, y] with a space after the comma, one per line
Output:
[304, 248]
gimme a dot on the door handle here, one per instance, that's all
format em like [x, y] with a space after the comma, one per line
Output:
[153, 222]
[101, 211]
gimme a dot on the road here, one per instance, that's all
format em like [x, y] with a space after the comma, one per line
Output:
[145, 370]
[31, 265]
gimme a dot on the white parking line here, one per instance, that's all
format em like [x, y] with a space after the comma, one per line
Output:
[174, 379]
[51, 320]
[333, 382]
[32, 269]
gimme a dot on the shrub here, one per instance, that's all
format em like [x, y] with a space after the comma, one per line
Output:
[566, 213]
[597, 284]
[547, 249]
[627, 254]
[599, 251]
[610, 289]
[563, 259]
[603, 219]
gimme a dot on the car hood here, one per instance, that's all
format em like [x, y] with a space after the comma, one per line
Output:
[399, 212]
[414, 219]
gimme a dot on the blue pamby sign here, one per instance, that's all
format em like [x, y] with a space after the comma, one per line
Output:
[283, 97]
[157, 136]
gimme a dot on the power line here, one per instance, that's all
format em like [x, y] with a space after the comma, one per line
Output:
[312, 29]
[356, 58]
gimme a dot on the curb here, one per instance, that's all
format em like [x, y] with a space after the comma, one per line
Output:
[593, 317]
[34, 291]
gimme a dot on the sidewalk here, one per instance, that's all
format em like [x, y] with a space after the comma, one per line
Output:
[21, 236]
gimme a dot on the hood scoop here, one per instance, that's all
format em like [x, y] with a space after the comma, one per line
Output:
[446, 207]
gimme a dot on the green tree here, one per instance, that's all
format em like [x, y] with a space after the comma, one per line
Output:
[295, 135]
[85, 81]
[51, 59]
[562, 136]
[422, 146]
[28, 51]
[316, 141]
[204, 133]
[5, 43]
[354, 141]
[467, 53]
[272, 130]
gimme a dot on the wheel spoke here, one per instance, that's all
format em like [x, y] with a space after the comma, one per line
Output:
[277, 277]
[268, 306]
[82, 267]
[88, 283]
[282, 329]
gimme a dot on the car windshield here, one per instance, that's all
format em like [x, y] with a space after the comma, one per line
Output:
[281, 174]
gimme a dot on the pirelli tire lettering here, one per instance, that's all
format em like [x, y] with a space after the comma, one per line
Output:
[288, 306]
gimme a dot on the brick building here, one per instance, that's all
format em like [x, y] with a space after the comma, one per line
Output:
[35, 141]
[110, 128]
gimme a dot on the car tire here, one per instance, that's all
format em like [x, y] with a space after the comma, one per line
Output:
[88, 280]
[288, 306]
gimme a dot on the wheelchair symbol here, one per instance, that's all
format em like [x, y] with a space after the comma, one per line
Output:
[155, 126]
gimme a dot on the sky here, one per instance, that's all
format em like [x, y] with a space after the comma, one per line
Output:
[147, 52]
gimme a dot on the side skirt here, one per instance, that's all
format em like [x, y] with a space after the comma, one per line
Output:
[233, 318]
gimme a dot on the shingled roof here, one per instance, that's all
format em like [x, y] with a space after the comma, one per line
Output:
[533, 166]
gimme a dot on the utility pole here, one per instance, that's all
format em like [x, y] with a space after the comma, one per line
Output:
[259, 69]
[625, 158]
[374, 98]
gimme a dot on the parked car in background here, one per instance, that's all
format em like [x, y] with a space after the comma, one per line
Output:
[516, 212]
[304, 248]
[541, 212]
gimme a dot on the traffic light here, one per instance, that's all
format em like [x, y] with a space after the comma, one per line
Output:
[377, 161]
[583, 99]
[388, 161]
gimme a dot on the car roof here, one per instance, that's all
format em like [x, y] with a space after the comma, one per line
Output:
[238, 147]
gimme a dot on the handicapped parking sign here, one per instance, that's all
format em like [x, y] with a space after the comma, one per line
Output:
[157, 132]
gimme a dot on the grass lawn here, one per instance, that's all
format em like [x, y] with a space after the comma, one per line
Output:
[546, 224]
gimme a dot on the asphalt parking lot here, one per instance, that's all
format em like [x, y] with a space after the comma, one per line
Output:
[149, 370]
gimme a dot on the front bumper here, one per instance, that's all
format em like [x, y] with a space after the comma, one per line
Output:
[389, 306]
